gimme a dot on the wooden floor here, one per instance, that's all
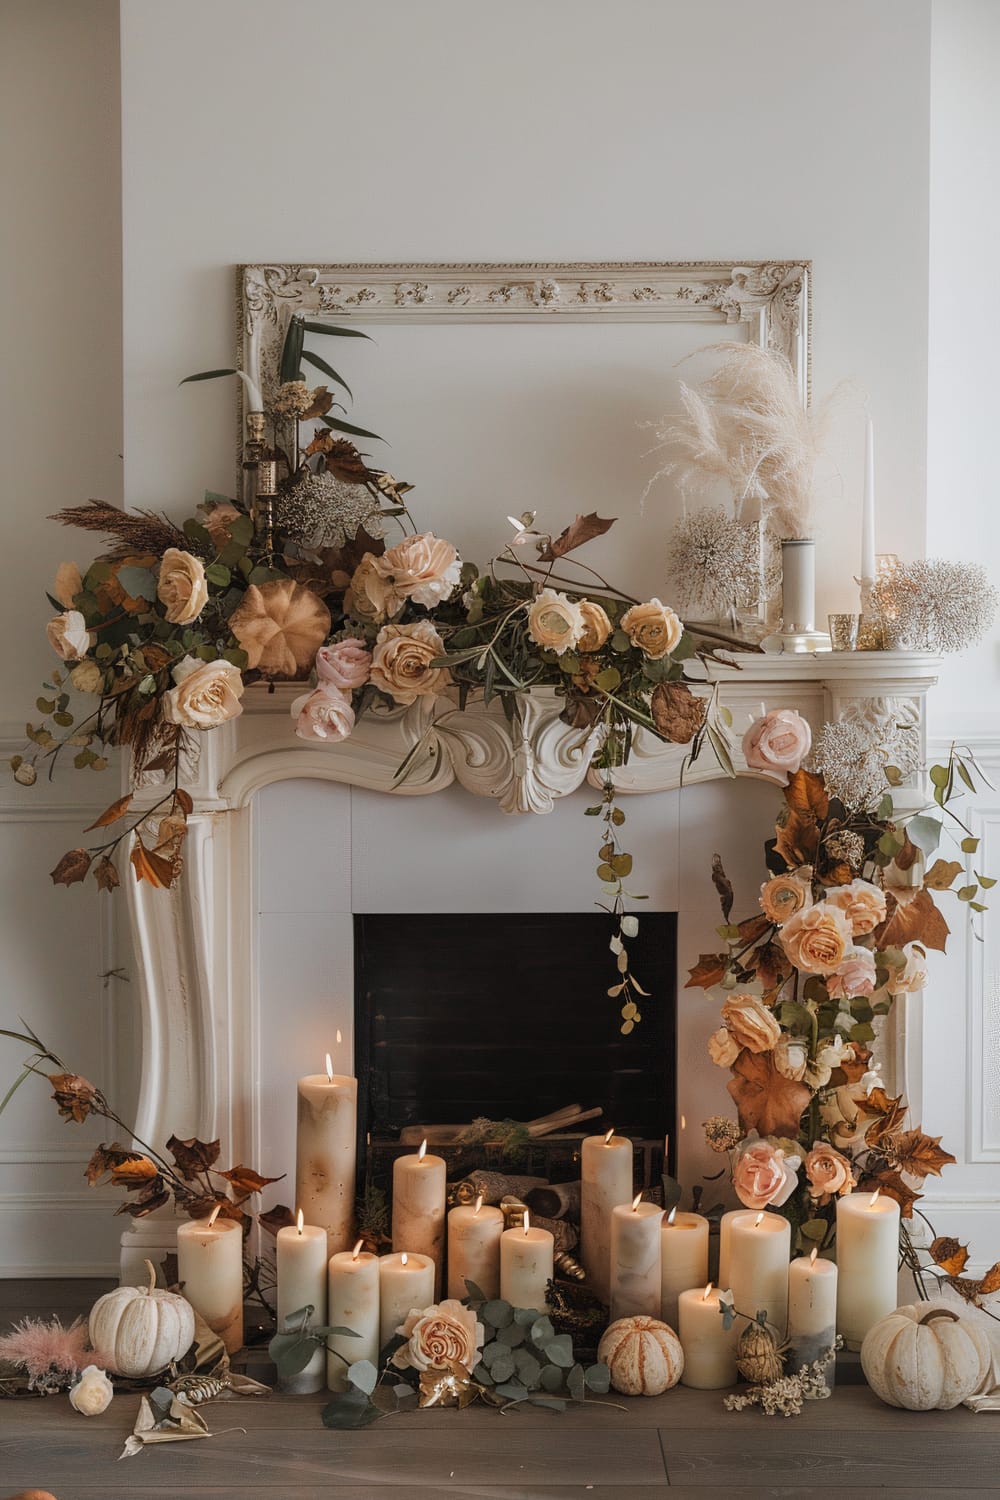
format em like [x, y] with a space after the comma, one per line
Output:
[682, 1445]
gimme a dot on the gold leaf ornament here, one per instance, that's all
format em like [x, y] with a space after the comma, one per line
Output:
[280, 625]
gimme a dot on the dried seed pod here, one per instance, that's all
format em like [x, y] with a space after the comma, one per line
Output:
[758, 1357]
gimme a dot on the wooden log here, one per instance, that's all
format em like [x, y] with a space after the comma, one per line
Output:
[494, 1185]
[557, 1200]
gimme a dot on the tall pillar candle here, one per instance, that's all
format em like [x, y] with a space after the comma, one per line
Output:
[419, 1193]
[812, 1312]
[526, 1263]
[606, 1181]
[325, 1153]
[759, 1253]
[867, 1261]
[352, 1302]
[709, 1346]
[635, 1259]
[301, 1256]
[683, 1259]
[474, 1249]
[210, 1270]
[798, 586]
[406, 1284]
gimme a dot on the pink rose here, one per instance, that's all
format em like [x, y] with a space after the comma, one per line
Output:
[346, 664]
[777, 743]
[763, 1174]
[862, 903]
[829, 1173]
[324, 714]
[855, 975]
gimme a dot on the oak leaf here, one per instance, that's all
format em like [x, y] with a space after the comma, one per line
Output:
[710, 969]
[941, 875]
[677, 713]
[766, 1101]
[111, 814]
[150, 866]
[583, 529]
[918, 1154]
[280, 625]
[911, 917]
[947, 1253]
[193, 1156]
[892, 1185]
[278, 1217]
[71, 868]
[246, 1181]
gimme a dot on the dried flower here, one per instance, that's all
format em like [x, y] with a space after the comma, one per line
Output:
[751, 1021]
[182, 589]
[439, 1337]
[853, 754]
[207, 693]
[783, 895]
[401, 662]
[596, 626]
[936, 605]
[50, 1355]
[785, 1397]
[846, 845]
[817, 939]
[68, 635]
[721, 1134]
[862, 903]
[74, 1095]
[292, 399]
[677, 713]
[320, 510]
[555, 622]
[828, 1172]
[719, 564]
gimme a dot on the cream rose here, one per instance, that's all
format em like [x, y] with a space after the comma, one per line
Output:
[68, 635]
[401, 662]
[555, 622]
[784, 895]
[324, 714]
[596, 626]
[369, 596]
[752, 1023]
[828, 1173]
[817, 939]
[207, 693]
[778, 743]
[723, 1048]
[182, 589]
[422, 568]
[346, 664]
[791, 1057]
[439, 1337]
[862, 903]
[92, 1393]
[855, 975]
[829, 1056]
[87, 677]
[913, 975]
[763, 1175]
[653, 628]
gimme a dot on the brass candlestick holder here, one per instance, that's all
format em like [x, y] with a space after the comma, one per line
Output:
[263, 508]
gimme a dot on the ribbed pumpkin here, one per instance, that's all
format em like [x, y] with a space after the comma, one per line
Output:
[643, 1355]
[140, 1329]
[925, 1357]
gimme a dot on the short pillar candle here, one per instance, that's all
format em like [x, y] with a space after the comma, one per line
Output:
[759, 1253]
[210, 1270]
[352, 1302]
[635, 1259]
[606, 1181]
[683, 1259]
[300, 1263]
[419, 1193]
[812, 1312]
[526, 1262]
[474, 1249]
[709, 1346]
[867, 1261]
[406, 1284]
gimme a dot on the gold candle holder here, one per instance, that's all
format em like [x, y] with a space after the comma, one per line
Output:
[267, 489]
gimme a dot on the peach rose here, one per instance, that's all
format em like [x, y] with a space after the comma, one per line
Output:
[401, 663]
[68, 584]
[369, 597]
[862, 903]
[784, 895]
[324, 714]
[555, 622]
[778, 743]
[68, 635]
[596, 626]
[752, 1023]
[855, 975]
[817, 939]
[182, 589]
[763, 1175]
[422, 568]
[653, 628]
[207, 693]
[829, 1174]
[439, 1337]
[913, 975]
[346, 664]
[723, 1048]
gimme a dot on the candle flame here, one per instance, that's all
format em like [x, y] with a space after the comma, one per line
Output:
[299, 1220]
[758, 1221]
[635, 1202]
[357, 1250]
[812, 1258]
[340, 1036]
[706, 1293]
[672, 1215]
[610, 1136]
[216, 1211]
[403, 1259]
[423, 1150]
[479, 1203]
[329, 1067]
[684, 1123]
[874, 1197]
[527, 1220]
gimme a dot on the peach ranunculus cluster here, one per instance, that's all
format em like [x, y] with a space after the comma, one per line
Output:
[784, 895]
[862, 903]
[763, 1176]
[439, 1337]
[401, 662]
[207, 693]
[817, 939]
[555, 621]
[653, 628]
[778, 743]
[746, 1023]
[182, 588]
[828, 1173]
[422, 568]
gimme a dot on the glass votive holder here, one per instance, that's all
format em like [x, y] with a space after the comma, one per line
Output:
[844, 632]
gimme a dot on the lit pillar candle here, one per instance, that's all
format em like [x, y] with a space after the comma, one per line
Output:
[867, 1258]
[526, 1257]
[352, 1302]
[725, 1242]
[474, 1249]
[812, 1311]
[406, 1284]
[301, 1256]
[419, 1192]
[210, 1270]
[635, 1259]
[325, 1152]
[709, 1347]
[868, 506]
[759, 1252]
[683, 1259]
[606, 1181]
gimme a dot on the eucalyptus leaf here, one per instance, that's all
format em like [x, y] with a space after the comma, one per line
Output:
[528, 1368]
[548, 1401]
[474, 1292]
[542, 1330]
[363, 1376]
[598, 1378]
[513, 1390]
[576, 1383]
[560, 1350]
[526, 1316]
[511, 1336]
[502, 1366]
[352, 1409]
[138, 583]
[498, 1312]
[291, 1352]
[552, 1378]
[925, 832]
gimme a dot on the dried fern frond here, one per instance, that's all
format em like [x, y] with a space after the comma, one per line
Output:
[136, 532]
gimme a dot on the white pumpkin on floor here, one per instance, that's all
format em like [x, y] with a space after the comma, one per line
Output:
[141, 1330]
[643, 1355]
[926, 1357]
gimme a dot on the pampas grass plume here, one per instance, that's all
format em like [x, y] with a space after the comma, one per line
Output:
[50, 1355]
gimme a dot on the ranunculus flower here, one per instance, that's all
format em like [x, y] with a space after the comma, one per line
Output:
[182, 589]
[855, 975]
[653, 628]
[596, 626]
[862, 903]
[87, 677]
[207, 693]
[68, 635]
[440, 1337]
[829, 1174]
[92, 1393]
[369, 597]
[752, 1023]
[817, 939]
[401, 662]
[763, 1175]
[346, 664]
[555, 622]
[913, 975]
[791, 1057]
[324, 714]
[723, 1048]
[422, 568]
[784, 895]
[68, 584]
[778, 743]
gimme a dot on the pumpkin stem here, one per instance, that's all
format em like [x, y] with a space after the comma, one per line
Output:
[939, 1312]
[152, 1277]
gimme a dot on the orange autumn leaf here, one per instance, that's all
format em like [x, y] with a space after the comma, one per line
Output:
[941, 875]
[111, 814]
[797, 840]
[710, 969]
[583, 529]
[770, 964]
[133, 1172]
[990, 1283]
[892, 1185]
[912, 917]
[889, 1114]
[246, 1181]
[918, 1154]
[767, 1101]
[150, 866]
[806, 795]
[947, 1253]
[907, 856]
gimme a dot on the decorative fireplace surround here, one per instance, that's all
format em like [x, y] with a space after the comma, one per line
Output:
[202, 1070]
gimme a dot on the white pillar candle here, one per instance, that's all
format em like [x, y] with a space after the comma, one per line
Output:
[526, 1257]
[606, 1181]
[867, 1259]
[812, 1310]
[683, 1259]
[635, 1259]
[210, 1270]
[325, 1152]
[759, 1252]
[725, 1241]
[709, 1347]
[419, 1194]
[352, 1302]
[474, 1249]
[301, 1257]
[798, 585]
[868, 506]
[406, 1284]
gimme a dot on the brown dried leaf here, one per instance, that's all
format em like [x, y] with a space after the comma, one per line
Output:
[246, 1181]
[71, 868]
[134, 1172]
[583, 529]
[150, 866]
[111, 814]
[797, 840]
[104, 1159]
[770, 963]
[807, 795]
[346, 558]
[853, 1065]
[193, 1156]
[941, 874]
[838, 874]
[320, 404]
[907, 856]
[281, 626]
[752, 929]
[911, 917]
[677, 713]
[889, 1113]
[74, 1095]
[919, 1154]
[153, 1198]
[709, 970]
[344, 462]
[723, 885]
[947, 1253]
[106, 874]
[184, 801]
[278, 1217]
[892, 1185]
[990, 1283]
[766, 1101]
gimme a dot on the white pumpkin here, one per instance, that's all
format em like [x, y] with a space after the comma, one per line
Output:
[643, 1355]
[926, 1357]
[141, 1330]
